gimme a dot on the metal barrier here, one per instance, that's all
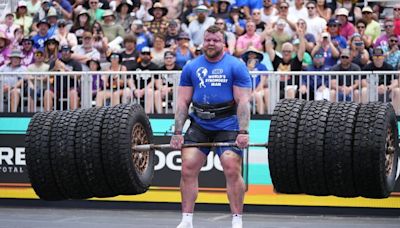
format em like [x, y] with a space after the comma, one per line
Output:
[157, 90]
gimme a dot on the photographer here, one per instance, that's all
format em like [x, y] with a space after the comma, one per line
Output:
[359, 53]
[326, 46]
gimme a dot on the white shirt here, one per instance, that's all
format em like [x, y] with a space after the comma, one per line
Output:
[315, 26]
[295, 14]
[196, 30]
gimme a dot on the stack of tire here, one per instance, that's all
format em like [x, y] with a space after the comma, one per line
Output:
[343, 149]
[87, 153]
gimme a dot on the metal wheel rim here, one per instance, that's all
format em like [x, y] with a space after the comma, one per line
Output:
[389, 152]
[139, 137]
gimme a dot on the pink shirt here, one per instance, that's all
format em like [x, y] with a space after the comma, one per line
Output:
[347, 30]
[397, 26]
[4, 53]
[244, 41]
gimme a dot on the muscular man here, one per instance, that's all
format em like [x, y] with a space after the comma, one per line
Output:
[219, 87]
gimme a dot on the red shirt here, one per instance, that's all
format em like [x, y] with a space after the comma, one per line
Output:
[347, 30]
[397, 26]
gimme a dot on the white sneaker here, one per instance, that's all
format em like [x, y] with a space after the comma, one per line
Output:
[185, 225]
[237, 225]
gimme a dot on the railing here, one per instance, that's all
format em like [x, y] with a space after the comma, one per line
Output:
[157, 90]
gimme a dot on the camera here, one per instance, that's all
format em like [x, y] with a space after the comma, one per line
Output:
[358, 43]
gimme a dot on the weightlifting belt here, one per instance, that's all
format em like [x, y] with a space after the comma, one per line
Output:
[214, 111]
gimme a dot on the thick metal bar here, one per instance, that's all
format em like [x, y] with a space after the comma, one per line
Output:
[147, 147]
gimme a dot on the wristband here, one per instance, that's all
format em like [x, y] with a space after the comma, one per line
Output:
[243, 132]
[178, 133]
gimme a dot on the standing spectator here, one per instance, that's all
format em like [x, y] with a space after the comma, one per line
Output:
[297, 11]
[346, 27]
[51, 50]
[86, 51]
[250, 38]
[70, 89]
[183, 54]
[383, 40]
[359, 53]
[63, 36]
[346, 85]
[315, 87]
[13, 83]
[396, 18]
[94, 11]
[361, 26]
[8, 26]
[230, 38]
[27, 51]
[315, 24]
[42, 35]
[81, 24]
[142, 38]
[158, 49]
[159, 23]
[373, 28]
[326, 46]
[388, 89]
[333, 28]
[111, 29]
[234, 23]
[22, 18]
[199, 25]
[323, 10]
[164, 87]
[4, 48]
[97, 82]
[351, 7]
[393, 55]
[123, 14]
[130, 54]
[269, 12]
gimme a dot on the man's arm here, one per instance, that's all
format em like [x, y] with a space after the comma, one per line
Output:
[182, 106]
[242, 98]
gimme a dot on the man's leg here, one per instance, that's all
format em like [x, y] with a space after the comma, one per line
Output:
[192, 161]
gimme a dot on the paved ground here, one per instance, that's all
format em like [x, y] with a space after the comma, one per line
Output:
[18, 217]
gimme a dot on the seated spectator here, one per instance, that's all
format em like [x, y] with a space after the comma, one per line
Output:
[44, 10]
[310, 39]
[338, 41]
[81, 24]
[323, 10]
[174, 8]
[95, 11]
[373, 28]
[367, 39]
[393, 55]
[51, 50]
[12, 83]
[359, 53]
[143, 38]
[234, 23]
[351, 7]
[100, 42]
[315, 87]
[256, 17]
[288, 84]
[4, 49]
[280, 35]
[307, 59]
[64, 8]
[396, 18]
[248, 6]
[116, 86]
[315, 24]
[123, 14]
[325, 45]
[198, 26]
[22, 18]
[159, 23]
[165, 85]
[158, 50]
[130, 54]
[64, 36]
[383, 40]
[69, 90]
[252, 58]
[143, 12]
[86, 51]
[388, 85]
[33, 7]
[27, 51]
[250, 38]
[346, 27]
[222, 9]
[8, 26]
[42, 35]
[97, 81]
[188, 14]
[296, 11]
[269, 12]
[40, 81]
[52, 20]
[283, 14]
[111, 29]
[18, 36]
[183, 54]
[345, 86]
[173, 30]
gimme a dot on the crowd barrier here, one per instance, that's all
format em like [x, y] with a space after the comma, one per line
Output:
[157, 90]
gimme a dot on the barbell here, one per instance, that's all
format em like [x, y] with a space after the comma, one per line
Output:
[317, 148]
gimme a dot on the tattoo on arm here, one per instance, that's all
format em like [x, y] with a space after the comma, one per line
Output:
[180, 116]
[243, 110]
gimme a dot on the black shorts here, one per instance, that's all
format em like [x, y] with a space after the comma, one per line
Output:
[197, 134]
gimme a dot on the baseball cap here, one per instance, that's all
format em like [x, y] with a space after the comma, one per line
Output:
[378, 51]
[333, 21]
[367, 9]
[342, 11]
[173, 23]
[169, 54]
[345, 52]
[325, 34]
[66, 48]
[145, 50]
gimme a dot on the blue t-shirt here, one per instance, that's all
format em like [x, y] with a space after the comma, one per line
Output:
[213, 83]
[38, 41]
[340, 40]
[257, 78]
[181, 59]
[252, 4]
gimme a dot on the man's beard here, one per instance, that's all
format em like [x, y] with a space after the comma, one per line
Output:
[215, 53]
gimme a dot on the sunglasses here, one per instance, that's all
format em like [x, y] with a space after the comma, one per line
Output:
[114, 56]
[93, 3]
[283, 7]
[145, 53]
[378, 57]
[393, 41]
[360, 27]
[220, 23]
[344, 57]
[388, 26]
[27, 43]
[310, 8]
[38, 54]
[286, 51]
[396, 9]
[332, 25]
[366, 13]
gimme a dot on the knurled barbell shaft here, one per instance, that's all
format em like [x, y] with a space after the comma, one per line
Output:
[147, 147]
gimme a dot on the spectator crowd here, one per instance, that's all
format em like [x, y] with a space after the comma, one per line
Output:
[140, 35]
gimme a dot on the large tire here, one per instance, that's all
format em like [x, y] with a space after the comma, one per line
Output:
[63, 156]
[376, 150]
[88, 152]
[338, 153]
[129, 172]
[310, 148]
[37, 144]
[282, 145]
